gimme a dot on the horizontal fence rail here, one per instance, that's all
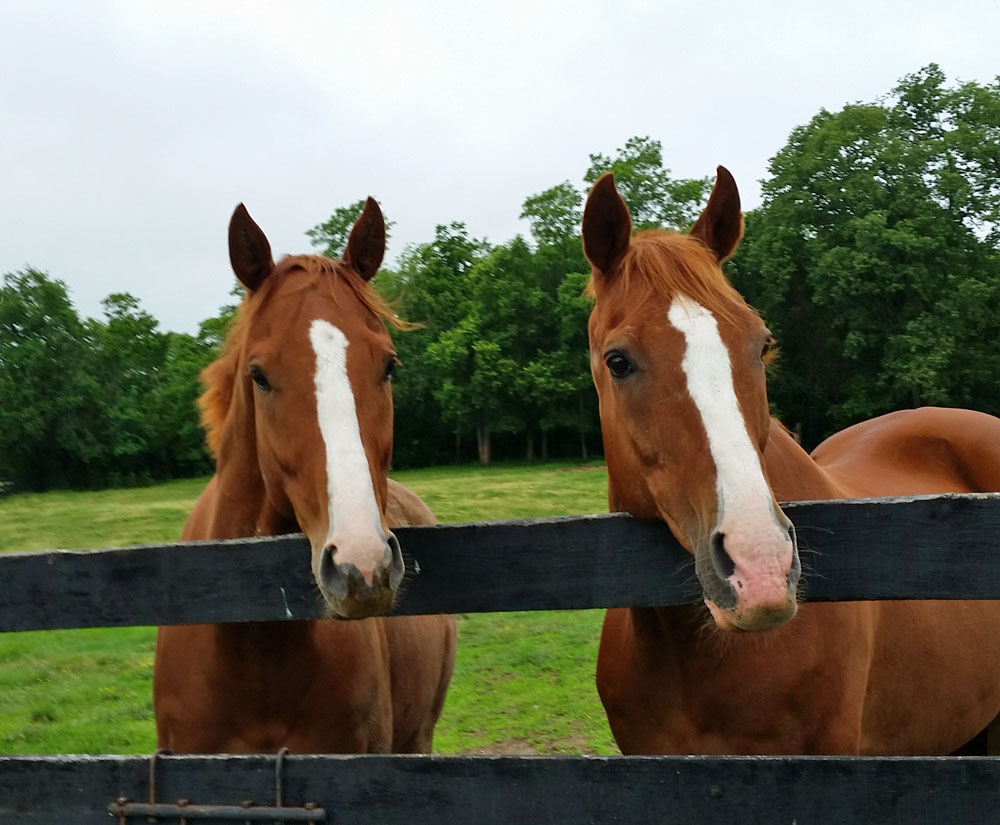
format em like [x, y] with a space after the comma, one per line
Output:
[436, 790]
[931, 547]
[941, 547]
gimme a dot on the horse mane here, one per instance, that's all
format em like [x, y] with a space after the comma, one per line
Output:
[663, 262]
[219, 377]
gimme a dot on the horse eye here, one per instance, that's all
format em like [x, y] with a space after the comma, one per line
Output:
[768, 346]
[390, 367]
[257, 374]
[619, 365]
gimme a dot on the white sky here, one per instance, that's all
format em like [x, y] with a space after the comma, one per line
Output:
[129, 130]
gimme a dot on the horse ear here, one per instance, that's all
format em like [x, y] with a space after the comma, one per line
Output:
[249, 251]
[720, 226]
[607, 225]
[366, 246]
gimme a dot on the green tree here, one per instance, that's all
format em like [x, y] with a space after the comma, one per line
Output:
[555, 388]
[654, 197]
[431, 287]
[573, 385]
[129, 352]
[178, 442]
[432, 290]
[483, 356]
[49, 433]
[212, 331]
[554, 217]
[875, 256]
[330, 237]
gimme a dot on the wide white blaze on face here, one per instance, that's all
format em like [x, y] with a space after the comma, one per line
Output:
[744, 499]
[355, 519]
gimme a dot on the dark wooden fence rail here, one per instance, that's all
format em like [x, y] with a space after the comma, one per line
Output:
[930, 547]
[485, 790]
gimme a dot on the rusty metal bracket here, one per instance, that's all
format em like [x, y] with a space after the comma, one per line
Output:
[183, 810]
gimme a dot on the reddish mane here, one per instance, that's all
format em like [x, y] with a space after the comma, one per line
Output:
[662, 262]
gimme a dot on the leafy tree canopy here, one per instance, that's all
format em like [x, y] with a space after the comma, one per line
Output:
[875, 255]
[654, 197]
[330, 237]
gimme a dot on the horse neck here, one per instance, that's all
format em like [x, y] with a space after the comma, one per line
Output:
[792, 472]
[236, 505]
[239, 506]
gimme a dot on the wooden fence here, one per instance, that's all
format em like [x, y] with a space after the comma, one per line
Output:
[941, 547]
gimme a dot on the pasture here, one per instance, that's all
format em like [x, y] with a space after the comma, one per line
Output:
[523, 683]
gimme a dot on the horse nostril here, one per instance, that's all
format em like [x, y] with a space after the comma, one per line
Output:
[721, 560]
[344, 580]
[795, 571]
[334, 577]
[394, 559]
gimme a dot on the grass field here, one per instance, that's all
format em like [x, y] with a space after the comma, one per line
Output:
[523, 683]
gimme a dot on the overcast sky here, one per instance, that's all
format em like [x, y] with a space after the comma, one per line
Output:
[129, 130]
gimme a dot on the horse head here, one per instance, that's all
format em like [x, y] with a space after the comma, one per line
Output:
[304, 408]
[678, 360]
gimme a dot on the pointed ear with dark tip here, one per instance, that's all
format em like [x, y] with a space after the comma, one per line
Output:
[366, 246]
[607, 225]
[249, 251]
[720, 226]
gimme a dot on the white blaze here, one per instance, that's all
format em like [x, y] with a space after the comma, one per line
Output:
[353, 509]
[740, 485]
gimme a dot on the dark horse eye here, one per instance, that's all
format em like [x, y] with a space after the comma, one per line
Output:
[390, 366]
[257, 374]
[768, 345]
[619, 365]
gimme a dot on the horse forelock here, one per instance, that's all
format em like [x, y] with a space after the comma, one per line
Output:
[660, 262]
[218, 378]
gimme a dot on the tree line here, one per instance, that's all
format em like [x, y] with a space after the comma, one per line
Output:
[874, 257]
[96, 402]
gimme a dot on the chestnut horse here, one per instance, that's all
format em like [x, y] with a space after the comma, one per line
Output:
[678, 360]
[298, 411]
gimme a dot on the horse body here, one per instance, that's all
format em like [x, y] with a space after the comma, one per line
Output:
[907, 677]
[372, 685]
[926, 450]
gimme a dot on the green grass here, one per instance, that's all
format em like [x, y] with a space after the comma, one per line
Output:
[473, 493]
[77, 691]
[107, 518]
[523, 683]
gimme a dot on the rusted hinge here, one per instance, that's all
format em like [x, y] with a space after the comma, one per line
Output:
[184, 810]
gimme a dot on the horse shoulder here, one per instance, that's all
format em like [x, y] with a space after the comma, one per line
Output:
[199, 520]
[406, 508]
[421, 648]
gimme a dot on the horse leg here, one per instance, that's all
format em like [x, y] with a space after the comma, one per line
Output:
[993, 737]
[421, 742]
[976, 746]
[984, 743]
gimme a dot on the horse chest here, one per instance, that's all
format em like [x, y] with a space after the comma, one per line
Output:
[245, 688]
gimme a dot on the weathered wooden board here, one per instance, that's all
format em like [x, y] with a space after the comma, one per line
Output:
[934, 547]
[422, 790]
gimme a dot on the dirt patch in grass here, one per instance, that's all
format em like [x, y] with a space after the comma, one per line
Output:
[505, 747]
[523, 747]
